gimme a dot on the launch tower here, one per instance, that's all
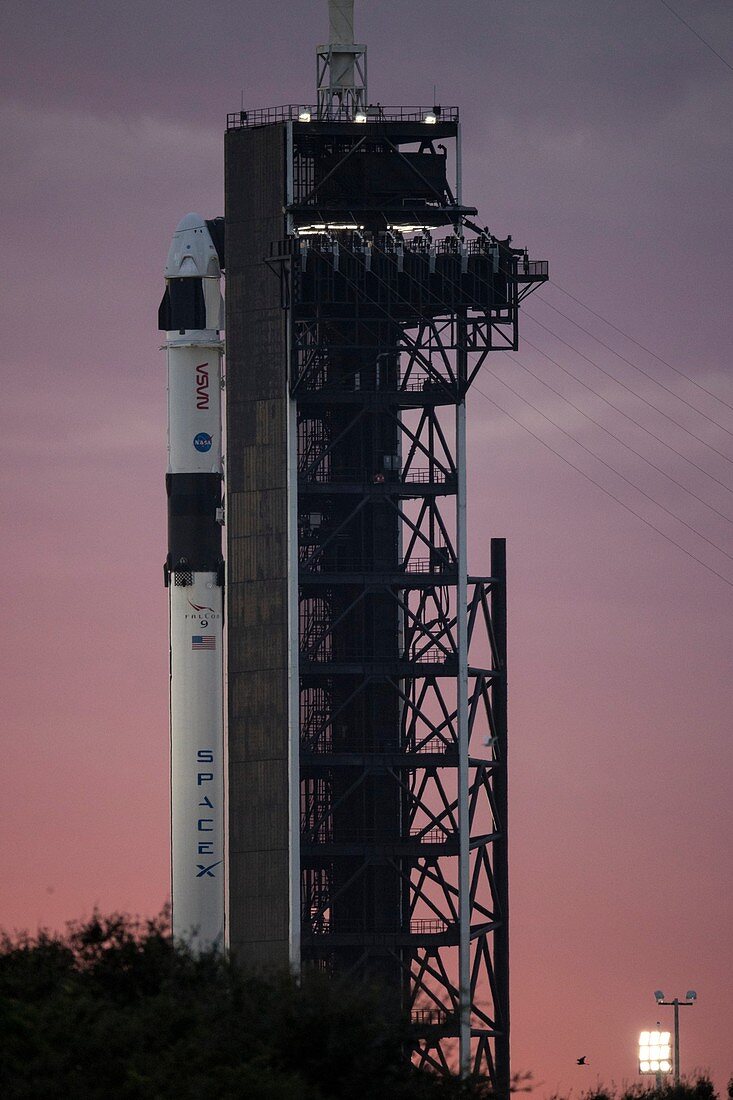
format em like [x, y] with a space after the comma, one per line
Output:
[366, 667]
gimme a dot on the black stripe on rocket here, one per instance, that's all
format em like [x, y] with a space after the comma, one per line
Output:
[194, 528]
[182, 306]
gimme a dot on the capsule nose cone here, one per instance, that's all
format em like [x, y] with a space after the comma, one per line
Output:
[191, 221]
[192, 253]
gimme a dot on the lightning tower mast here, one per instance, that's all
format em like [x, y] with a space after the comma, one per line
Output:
[367, 667]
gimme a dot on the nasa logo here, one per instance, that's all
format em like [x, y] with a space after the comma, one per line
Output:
[202, 386]
[202, 442]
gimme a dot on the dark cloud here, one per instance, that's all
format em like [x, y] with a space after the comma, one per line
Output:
[621, 62]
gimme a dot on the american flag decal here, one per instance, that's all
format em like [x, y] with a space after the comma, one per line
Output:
[203, 641]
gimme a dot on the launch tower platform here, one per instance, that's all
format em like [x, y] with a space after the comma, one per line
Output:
[366, 668]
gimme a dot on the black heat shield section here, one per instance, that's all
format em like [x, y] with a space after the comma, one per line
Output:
[182, 306]
[194, 533]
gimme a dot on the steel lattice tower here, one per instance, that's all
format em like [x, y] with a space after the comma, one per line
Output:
[367, 669]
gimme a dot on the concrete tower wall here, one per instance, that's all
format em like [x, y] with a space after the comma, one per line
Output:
[257, 558]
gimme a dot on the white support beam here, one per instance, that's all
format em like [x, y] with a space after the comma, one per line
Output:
[464, 850]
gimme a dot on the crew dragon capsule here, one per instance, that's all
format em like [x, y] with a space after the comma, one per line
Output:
[191, 314]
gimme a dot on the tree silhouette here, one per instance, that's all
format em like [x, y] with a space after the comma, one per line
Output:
[115, 1009]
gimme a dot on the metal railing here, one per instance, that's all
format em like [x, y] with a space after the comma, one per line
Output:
[324, 744]
[292, 112]
[433, 656]
[353, 565]
[431, 1016]
[430, 565]
[404, 382]
[326, 926]
[424, 475]
[531, 269]
[321, 834]
[415, 475]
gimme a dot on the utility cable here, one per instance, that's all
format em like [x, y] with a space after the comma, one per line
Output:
[612, 405]
[613, 470]
[609, 374]
[641, 370]
[648, 523]
[618, 439]
[618, 408]
[692, 381]
[704, 41]
[603, 489]
[633, 420]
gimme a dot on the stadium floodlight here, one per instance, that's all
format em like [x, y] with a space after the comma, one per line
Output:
[431, 118]
[676, 1004]
[360, 117]
[304, 116]
[655, 1052]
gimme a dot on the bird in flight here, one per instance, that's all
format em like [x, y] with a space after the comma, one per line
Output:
[582, 1061]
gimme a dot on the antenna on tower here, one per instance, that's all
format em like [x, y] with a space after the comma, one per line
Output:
[341, 68]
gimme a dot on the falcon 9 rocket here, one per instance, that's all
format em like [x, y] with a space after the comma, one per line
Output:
[191, 316]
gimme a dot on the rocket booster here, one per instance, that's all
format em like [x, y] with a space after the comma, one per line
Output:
[191, 316]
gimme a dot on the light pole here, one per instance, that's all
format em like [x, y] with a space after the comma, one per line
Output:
[690, 998]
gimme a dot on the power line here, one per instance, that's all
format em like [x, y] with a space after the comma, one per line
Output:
[603, 489]
[692, 381]
[636, 366]
[612, 376]
[618, 382]
[613, 470]
[704, 41]
[623, 443]
[629, 417]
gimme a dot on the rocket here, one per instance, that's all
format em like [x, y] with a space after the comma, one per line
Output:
[191, 314]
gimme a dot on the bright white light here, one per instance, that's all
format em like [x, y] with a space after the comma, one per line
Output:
[360, 117]
[431, 118]
[408, 228]
[304, 116]
[655, 1052]
[325, 227]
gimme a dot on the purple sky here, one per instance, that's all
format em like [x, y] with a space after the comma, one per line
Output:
[596, 132]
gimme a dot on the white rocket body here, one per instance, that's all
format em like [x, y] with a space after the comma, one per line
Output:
[197, 763]
[194, 388]
[191, 316]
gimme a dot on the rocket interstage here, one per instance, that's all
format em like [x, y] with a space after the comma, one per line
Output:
[191, 315]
